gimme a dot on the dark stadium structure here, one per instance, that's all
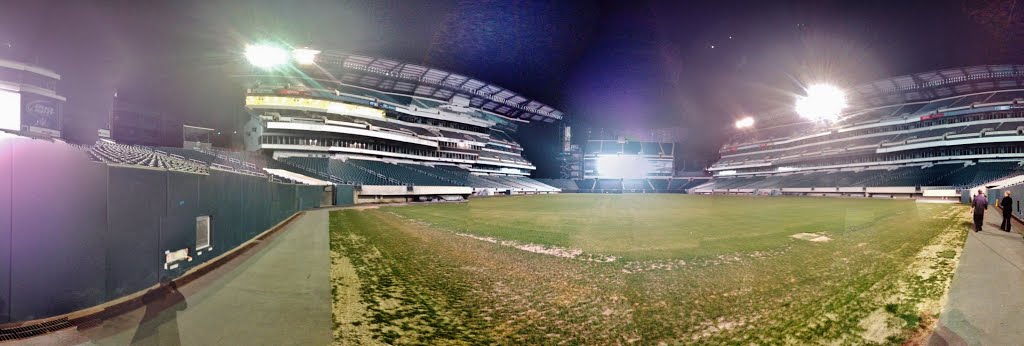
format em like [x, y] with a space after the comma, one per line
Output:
[395, 130]
[932, 134]
[624, 161]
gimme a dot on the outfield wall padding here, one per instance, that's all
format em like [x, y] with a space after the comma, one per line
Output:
[75, 233]
[6, 154]
[58, 221]
[129, 251]
[344, 195]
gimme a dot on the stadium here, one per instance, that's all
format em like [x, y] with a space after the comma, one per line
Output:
[395, 130]
[931, 134]
[366, 200]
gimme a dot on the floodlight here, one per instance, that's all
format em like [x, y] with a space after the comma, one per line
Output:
[745, 123]
[823, 102]
[266, 56]
[304, 56]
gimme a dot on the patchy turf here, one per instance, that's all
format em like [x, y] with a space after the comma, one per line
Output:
[644, 269]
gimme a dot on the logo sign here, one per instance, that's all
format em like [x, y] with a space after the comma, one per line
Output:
[40, 113]
[41, 108]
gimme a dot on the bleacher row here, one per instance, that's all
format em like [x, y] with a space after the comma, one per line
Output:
[952, 175]
[368, 172]
[676, 185]
[141, 156]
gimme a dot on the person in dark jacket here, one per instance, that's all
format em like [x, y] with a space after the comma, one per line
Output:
[1007, 205]
[980, 203]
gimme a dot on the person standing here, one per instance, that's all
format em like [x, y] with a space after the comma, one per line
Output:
[1007, 204]
[980, 203]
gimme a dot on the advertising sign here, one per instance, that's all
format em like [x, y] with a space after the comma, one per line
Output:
[317, 105]
[40, 114]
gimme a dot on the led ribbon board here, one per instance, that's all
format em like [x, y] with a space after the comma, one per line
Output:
[310, 104]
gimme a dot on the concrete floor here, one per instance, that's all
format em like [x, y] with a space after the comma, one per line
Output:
[277, 293]
[986, 298]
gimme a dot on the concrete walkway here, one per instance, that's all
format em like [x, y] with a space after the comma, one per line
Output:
[986, 298]
[277, 293]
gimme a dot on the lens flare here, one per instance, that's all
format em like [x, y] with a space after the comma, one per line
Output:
[745, 123]
[266, 56]
[823, 102]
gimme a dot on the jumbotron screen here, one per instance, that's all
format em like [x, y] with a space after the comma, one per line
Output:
[626, 167]
[10, 110]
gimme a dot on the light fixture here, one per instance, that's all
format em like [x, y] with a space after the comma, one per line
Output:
[266, 56]
[823, 102]
[745, 123]
[305, 56]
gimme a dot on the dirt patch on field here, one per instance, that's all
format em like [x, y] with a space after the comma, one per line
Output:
[878, 326]
[668, 265]
[349, 311]
[815, 237]
[921, 293]
[544, 249]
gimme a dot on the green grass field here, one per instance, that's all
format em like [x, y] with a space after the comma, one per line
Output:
[643, 269]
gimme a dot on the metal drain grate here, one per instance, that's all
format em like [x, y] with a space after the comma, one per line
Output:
[33, 330]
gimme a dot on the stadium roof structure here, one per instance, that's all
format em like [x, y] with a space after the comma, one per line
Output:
[937, 84]
[393, 76]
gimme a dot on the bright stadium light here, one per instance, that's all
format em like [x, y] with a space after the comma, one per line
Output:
[745, 123]
[627, 166]
[823, 102]
[266, 56]
[304, 56]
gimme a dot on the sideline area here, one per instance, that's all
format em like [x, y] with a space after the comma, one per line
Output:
[986, 298]
[276, 293]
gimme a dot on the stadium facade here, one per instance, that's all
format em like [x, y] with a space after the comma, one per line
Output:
[932, 134]
[632, 160]
[28, 99]
[393, 128]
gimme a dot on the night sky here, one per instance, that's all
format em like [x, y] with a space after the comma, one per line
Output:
[605, 64]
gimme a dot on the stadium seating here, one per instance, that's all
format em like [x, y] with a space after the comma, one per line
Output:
[977, 174]
[566, 185]
[540, 186]
[453, 176]
[142, 156]
[659, 185]
[609, 184]
[342, 172]
[1006, 96]
[951, 175]
[634, 185]
[513, 183]
[586, 184]
[402, 174]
